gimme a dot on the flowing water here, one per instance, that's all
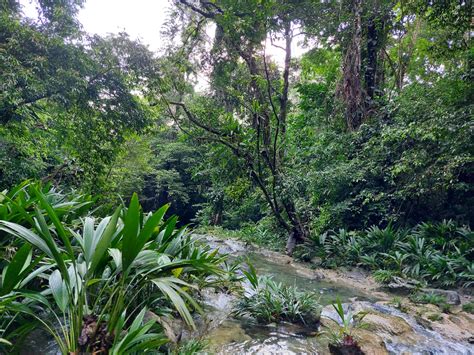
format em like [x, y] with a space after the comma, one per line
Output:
[227, 335]
[243, 336]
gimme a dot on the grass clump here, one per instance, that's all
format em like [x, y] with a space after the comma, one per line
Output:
[431, 298]
[435, 317]
[191, 347]
[468, 307]
[269, 301]
[398, 303]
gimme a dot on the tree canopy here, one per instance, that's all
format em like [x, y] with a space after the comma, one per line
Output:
[371, 125]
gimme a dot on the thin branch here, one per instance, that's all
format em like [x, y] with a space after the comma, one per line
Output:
[211, 4]
[197, 9]
[276, 45]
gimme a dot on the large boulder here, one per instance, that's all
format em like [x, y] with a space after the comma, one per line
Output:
[402, 286]
[452, 297]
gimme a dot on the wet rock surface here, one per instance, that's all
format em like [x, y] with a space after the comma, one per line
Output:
[406, 329]
[402, 286]
[399, 332]
[388, 330]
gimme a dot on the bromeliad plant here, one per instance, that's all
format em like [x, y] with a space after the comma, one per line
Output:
[92, 286]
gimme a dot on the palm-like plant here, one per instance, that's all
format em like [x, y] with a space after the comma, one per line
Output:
[340, 247]
[270, 301]
[343, 334]
[382, 240]
[420, 254]
[19, 203]
[96, 276]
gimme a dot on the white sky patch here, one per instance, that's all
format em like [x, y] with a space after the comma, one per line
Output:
[143, 20]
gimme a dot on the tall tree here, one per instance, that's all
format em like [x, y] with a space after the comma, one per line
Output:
[253, 123]
[66, 92]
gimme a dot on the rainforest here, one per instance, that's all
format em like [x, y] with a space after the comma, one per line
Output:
[250, 177]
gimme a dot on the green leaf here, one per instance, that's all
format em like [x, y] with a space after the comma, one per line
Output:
[58, 289]
[5, 341]
[130, 232]
[102, 242]
[88, 238]
[11, 273]
[165, 285]
[28, 235]
[57, 223]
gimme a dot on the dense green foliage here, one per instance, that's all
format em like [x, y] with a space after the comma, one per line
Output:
[66, 101]
[90, 282]
[439, 253]
[265, 141]
[302, 162]
[268, 301]
[358, 152]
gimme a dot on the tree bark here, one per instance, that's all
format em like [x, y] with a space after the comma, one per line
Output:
[371, 67]
[352, 93]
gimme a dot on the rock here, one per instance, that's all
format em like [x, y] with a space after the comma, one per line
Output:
[370, 343]
[423, 322]
[455, 320]
[388, 324]
[307, 273]
[275, 257]
[227, 333]
[316, 260]
[452, 297]
[172, 327]
[401, 285]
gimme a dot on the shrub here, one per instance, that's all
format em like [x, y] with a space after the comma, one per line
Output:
[269, 301]
[382, 240]
[436, 253]
[101, 277]
[384, 276]
[339, 248]
[431, 298]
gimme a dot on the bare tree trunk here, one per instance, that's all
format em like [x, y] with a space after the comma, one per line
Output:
[371, 67]
[351, 91]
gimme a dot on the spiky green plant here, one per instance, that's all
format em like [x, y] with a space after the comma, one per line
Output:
[382, 240]
[384, 276]
[269, 301]
[341, 335]
[431, 298]
[98, 274]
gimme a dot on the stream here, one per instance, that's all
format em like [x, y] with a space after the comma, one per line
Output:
[391, 331]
